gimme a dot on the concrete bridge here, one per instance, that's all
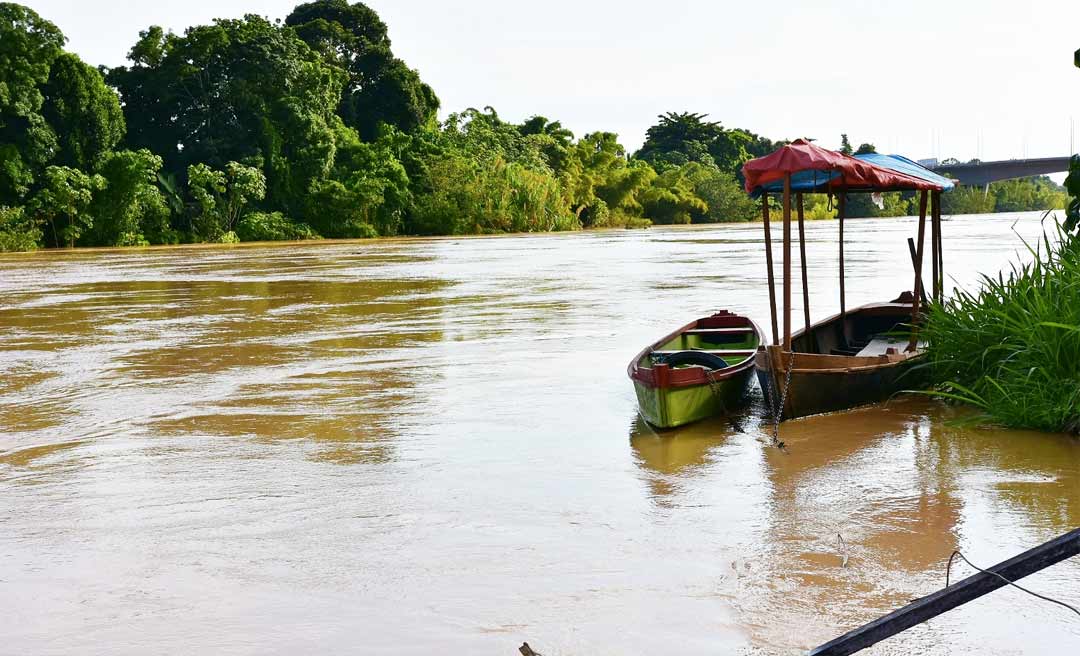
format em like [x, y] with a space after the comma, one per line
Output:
[983, 173]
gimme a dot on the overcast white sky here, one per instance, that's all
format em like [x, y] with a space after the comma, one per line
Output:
[964, 78]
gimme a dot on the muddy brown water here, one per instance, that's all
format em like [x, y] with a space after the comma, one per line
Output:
[431, 446]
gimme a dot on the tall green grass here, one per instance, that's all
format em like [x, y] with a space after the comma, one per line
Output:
[1012, 348]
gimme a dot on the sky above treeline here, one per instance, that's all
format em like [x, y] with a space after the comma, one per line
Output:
[992, 79]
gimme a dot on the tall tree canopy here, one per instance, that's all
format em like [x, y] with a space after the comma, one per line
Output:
[381, 88]
[29, 45]
[680, 138]
[241, 90]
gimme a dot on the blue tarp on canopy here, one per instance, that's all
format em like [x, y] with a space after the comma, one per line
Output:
[804, 181]
[901, 164]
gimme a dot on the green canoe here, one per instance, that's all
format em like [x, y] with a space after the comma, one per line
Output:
[704, 369]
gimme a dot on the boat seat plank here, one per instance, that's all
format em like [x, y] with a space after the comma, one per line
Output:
[720, 353]
[880, 344]
[719, 331]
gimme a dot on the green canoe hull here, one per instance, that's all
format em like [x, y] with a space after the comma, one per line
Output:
[702, 370]
[672, 407]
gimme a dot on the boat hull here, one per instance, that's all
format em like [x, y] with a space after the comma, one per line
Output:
[818, 392]
[672, 407]
[702, 370]
[824, 377]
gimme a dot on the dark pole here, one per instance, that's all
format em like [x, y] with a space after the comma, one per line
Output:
[935, 229]
[787, 262]
[802, 255]
[841, 210]
[918, 274]
[769, 267]
[971, 588]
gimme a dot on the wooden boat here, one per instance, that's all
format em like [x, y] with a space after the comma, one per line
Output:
[842, 362]
[859, 356]
[704, 369]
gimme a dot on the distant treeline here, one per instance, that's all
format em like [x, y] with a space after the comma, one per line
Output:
[251, 129]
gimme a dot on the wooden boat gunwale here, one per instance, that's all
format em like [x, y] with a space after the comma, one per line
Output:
[693, 376]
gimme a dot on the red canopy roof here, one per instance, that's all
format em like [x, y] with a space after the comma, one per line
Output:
[845, 172]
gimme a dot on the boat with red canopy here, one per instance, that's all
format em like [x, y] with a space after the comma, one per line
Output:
[860, 355]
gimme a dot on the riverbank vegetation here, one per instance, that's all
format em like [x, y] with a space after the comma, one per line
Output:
[251, 129]
[1012, 347]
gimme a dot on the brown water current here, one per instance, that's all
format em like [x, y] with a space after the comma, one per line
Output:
[431, 446]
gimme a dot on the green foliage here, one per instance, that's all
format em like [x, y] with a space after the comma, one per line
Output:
[17, 231]
[63, 203]
[28, 46]
[381, 89]
[244, 90]
[680, 138]
[1072, 185]
[1012, 347]
[273, 226]
[845, 145]
[130, 209]
[470, 198]
[84, 113]
[723, 196]
[671, 198]
[222, 196]
[967, 200]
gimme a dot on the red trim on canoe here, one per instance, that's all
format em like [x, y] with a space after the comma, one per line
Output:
[664, 376]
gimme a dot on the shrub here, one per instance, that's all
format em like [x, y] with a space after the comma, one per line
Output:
[273, 226]
[1012, 347]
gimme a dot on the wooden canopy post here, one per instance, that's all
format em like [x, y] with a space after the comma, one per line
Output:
[769, 267]
[802, 260]
[915, 309]
[935, 236]
[787, 262]
[841, 210]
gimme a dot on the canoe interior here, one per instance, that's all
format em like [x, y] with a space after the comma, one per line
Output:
[744, 337]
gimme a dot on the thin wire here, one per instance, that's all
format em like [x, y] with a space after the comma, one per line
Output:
[948, 570]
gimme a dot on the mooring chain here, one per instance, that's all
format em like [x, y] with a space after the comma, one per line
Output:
[783, 399]
[717, 390]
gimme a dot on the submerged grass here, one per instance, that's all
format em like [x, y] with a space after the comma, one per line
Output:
[1013, 347]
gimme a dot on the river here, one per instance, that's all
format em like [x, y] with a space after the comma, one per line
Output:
[431, 446]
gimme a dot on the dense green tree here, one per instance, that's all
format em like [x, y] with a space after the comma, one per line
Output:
[381, 88]
[725, 199]
[685, 137]
[83, 112]
[244, 90]
[369, 192]
[845, 145]
[130, 209]
[29, 45]
[18, 232]
[222, 197]
[865, 149]
[63, 203]
[670, 198]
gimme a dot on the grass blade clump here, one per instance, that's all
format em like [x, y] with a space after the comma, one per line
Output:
[1013, 347]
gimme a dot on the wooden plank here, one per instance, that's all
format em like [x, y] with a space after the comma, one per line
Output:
[719, 331]
[718, 352]
[787, 262]
[959, 593]
[769, 267]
